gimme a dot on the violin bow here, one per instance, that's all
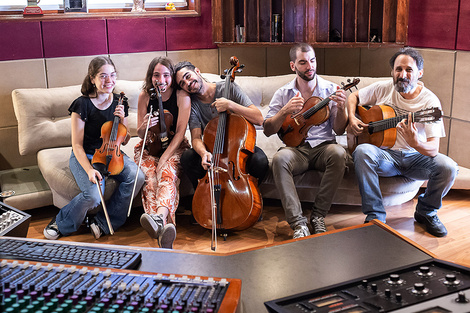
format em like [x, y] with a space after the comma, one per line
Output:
[214, 209]
[111, 230]
[152, 96]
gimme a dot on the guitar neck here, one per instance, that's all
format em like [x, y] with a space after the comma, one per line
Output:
[387, 123]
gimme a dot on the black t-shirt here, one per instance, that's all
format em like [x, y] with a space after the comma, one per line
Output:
[94, 118]
[170, 105]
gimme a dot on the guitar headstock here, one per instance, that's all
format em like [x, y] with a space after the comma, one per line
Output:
[427, 115]
[350, 84]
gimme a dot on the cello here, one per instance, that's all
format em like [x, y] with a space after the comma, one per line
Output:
[108, 159]
[228, 198]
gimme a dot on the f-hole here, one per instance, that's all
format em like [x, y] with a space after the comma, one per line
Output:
[232, 165]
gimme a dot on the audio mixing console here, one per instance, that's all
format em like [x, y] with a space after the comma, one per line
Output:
[48, 288]
[435, 286]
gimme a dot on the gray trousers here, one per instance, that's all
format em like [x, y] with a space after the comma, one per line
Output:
[328, 157]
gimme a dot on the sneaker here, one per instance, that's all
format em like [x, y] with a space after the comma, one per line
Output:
[301, 231]
[432, 224]
[167, 236]
[95, 230]
[318, 224]
[51, 231]
[152, 223]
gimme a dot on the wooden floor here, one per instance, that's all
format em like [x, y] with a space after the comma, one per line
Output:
[273, 228]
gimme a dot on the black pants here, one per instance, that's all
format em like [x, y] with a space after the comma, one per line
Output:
[257, 165]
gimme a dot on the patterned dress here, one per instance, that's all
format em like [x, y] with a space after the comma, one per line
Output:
[162, 188]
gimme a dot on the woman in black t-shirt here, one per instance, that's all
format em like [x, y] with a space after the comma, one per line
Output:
[97, 105]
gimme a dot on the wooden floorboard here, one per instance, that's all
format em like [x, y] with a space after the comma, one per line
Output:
[273, 228]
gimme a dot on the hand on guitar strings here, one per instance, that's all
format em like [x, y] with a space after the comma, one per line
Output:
[408, 130]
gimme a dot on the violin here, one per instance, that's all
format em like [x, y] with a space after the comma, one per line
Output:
[315, 111]
[108, 159]
[228, 198]
[160, 135]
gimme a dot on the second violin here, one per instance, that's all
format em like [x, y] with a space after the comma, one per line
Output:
[315, 111]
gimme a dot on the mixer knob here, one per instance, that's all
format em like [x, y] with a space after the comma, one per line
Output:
[451, 280]
[364, 283]
[425, 271]
[373, 287]
[394, 279]
[398, 297]
[388, 293]
[420, 289]
[461, 298]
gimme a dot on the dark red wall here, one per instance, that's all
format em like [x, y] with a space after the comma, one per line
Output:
[439, 24]
[65, 38]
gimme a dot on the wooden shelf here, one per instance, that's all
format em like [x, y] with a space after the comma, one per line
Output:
[328, 23]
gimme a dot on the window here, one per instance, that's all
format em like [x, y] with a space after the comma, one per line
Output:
[18, 5]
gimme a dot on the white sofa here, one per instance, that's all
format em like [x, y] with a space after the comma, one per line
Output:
[44, 128]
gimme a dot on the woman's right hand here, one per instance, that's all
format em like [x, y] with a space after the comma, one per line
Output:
[93, 174]
[153, 120]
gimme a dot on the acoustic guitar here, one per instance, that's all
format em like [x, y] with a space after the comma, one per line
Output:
[382, 122]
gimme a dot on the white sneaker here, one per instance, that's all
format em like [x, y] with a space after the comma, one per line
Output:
[51, 231]
[301, 231]
[96, 230]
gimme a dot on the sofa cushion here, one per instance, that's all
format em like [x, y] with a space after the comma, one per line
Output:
[54, 166]
[44, 120]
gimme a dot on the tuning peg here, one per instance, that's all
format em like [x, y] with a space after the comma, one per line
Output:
[241, 66]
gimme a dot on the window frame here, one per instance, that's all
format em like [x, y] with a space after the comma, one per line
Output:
[192, 9]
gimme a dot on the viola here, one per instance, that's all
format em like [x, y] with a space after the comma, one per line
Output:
[228, 198]
[160, 135]
[315, 111]
[108, 159]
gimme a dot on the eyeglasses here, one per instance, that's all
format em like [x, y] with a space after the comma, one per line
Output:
[106, 76]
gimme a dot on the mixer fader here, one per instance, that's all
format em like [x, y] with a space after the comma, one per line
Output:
[58, 288]
[435, 286]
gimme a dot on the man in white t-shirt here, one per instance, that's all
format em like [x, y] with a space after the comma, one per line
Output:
[415, 152]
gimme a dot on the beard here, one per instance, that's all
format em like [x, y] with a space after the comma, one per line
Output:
[304, 75]
[404, 85]
[195, 90]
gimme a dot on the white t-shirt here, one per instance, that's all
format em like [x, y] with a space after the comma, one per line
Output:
[383, 92]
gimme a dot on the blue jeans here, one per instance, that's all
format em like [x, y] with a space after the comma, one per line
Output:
[73, 214]
[370, 162]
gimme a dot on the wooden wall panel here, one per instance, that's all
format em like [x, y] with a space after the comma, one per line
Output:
[433, 24]
[136, 35]
[74, 38]
[20, 40]
[187, 33]
[463, 35]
